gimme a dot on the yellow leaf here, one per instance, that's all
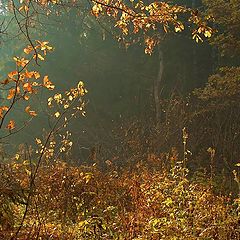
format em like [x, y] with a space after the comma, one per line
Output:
[24, 7]
[36, 75]
[57, 114]
[40, 56]
[38, 141]
[50, 101]
[179, 28]
[207, 34]
[31, 74]
[66, 106]
[35, 84]
[88, 177]
[57, 97]
[43, 47]
[81, 88]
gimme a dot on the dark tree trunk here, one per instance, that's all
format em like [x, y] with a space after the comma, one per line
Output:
[156, 87]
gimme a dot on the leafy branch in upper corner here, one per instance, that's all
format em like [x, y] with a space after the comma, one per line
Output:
[135, 21]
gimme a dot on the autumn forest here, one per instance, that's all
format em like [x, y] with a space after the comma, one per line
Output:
[119, 120]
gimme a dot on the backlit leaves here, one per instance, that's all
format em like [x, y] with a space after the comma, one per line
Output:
[32, 74]
[179, 27]
[44, 46]
[81, 89]
[152, 20]
[22, 83]
[71, 98]
[135, 20]
[64, 106]
[202, 31]
[21, 62]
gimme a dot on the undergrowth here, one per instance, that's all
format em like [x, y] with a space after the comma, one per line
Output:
[70, 202]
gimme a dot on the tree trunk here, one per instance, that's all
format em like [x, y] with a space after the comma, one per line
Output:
[156, 87]
[194, 50]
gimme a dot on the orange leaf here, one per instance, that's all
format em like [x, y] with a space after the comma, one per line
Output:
[30, 112]
[47, 83]
[11, 94]
[26, 97]
[27, 109]
[29, 74]
[18, 89]
[21, 62]
[1, 113]
[28, 87]
[28, 49]
[3, 108]
[11, 125]
[13, 73]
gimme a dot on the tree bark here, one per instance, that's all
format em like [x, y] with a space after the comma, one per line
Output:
[156, 87]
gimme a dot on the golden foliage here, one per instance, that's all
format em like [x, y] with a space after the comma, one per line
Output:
[85, 203]
[149, 18]
[21, 83]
